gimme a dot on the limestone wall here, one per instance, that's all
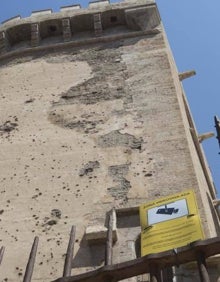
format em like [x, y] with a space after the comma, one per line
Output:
[83, 130]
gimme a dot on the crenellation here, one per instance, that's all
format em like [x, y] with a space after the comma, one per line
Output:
[98, 4]
[12, 20]
[45, 28]
[70, 8]
[41, 12]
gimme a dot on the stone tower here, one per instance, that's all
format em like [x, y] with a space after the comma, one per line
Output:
[93, 116]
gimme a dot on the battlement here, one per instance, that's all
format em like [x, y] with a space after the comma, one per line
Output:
[74, 23]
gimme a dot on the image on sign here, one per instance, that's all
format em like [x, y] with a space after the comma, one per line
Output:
[167, 212]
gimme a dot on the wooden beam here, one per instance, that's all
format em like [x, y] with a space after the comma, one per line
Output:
[203, 273]
[142, 265]
[155, 273]
[31, 261]
[69, 253]
[109, 242]
[2, 250]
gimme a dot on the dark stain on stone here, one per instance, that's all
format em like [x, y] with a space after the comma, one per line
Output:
[85, 125]
[80, 124]
[31, 100]
[94, 90]
[89, 167]
[108, 83]
[116, 138]
[118, 173]
[51, 222]
[8, 126]
[56, 213]
[148, 174]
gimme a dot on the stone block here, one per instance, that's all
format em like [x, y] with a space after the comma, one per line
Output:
[41, 12]
[98, 4]
[66, 29]
[70, 8]
[98, 234]
[142, 18]
[35, 34]
[97, 24]
[12, 20]
[3, 42]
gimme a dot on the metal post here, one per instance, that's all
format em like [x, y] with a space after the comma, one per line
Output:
[31, 261]
[203, 273]
[108, 250]
[2, 250]
[69, 253]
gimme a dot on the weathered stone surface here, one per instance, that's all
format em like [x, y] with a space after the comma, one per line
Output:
[98, 127]
[89, 167]
[120, 191]
[115, 138]
[7, 127]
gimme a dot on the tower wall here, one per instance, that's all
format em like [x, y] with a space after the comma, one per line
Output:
[93, 118]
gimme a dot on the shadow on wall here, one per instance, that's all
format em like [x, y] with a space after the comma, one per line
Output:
[128, 221]
[89, 255]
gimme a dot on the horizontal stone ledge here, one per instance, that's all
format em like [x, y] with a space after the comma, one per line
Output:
[98, 234]
[77, 43]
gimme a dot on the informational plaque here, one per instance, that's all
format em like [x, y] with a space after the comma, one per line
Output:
[170, 222]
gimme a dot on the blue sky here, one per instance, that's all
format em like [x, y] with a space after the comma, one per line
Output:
[193, 31]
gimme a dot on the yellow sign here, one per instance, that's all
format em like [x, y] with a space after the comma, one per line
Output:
[169, 223]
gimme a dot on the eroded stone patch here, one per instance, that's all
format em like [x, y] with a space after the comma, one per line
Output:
[107, 84]
[94, 90]
[116, 138]
[88, 168]
[122, 187]
[86, 123]
[8, 126]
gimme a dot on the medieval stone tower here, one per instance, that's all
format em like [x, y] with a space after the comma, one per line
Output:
[93, 116]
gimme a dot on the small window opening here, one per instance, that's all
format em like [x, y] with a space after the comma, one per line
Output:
[113, 19]
[52, 28]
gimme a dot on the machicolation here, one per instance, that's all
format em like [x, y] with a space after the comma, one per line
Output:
[73, 25]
